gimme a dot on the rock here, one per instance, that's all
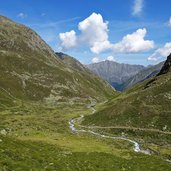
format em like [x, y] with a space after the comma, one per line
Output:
[3, 132]
[165, 127]
[166, 67]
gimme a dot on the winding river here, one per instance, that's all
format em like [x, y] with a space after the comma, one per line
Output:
[136, 145]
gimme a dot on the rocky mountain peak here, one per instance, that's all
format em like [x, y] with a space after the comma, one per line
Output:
[167, 66]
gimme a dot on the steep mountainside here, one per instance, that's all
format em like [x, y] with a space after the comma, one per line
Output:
[71, 62]
[143, 75]
[146, 105]
[116, 74]
[30, 70]
[167, 66]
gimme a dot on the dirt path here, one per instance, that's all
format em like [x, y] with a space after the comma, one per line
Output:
[128, 128]
[87, 129]
[136, 147]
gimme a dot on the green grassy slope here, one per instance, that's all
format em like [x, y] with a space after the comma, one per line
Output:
[37, 137]
[142, 113]
[28, 155]
[30, 70]
[146, 105]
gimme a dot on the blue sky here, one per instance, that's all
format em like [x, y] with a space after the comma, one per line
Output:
[128, 31]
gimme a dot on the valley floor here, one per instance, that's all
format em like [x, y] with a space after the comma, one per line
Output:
[38, 137]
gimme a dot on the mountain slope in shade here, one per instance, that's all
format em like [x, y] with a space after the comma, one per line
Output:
[116, 74]
[166, 67]
[30, 70]
[71, 62]
[146, 105]
[143, 75]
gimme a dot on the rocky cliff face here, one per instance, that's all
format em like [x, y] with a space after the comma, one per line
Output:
[167, 66]
[165, 69]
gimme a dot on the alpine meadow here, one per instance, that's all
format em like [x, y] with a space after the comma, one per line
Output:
[85, 85]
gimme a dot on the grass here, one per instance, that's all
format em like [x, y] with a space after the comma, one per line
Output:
[30, 70]
[38, 138]
[138, 107]
[159, 144]
[29, 155]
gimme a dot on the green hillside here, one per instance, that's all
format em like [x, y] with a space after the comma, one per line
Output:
[142, 113]
[37, 137]
[41, 92]
[145, 105]
[30, 70]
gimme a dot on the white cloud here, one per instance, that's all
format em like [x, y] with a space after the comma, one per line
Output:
[95, 60]
[111, 58]
[151, 58]
[161, 52]
[134, 43]
[99, 47]
[138, 6]
[22, 15]
[170, 21]
[68, 39]
[94, 34]
[94, 31]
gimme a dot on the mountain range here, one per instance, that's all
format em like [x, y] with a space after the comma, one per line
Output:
[123, 76]
[116, 74]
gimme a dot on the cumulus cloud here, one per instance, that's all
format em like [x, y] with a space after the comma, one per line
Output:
[94, 30]
[161, 52]
[68, 39]
[110, 58]
[22, 15]
[94, 33]
[170, 21]
[99, 47]
[134, 43]
[95, 60]
[137, 7]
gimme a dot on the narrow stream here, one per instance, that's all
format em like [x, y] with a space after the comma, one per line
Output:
[136, 147]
